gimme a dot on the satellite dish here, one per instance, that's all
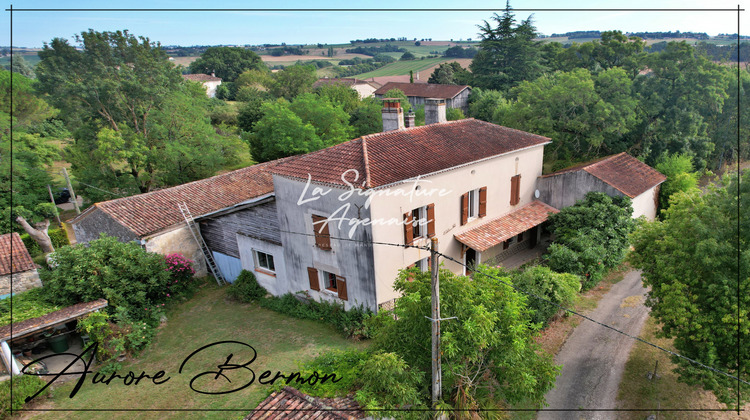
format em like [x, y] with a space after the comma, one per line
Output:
[536, 194]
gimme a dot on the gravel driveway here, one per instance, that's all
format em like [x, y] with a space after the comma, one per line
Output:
[594, 357]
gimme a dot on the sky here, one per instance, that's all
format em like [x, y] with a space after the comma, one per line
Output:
[33, 28]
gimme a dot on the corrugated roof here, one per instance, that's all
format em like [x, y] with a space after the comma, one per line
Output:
[623, 172]
[425, 90]
[494, 232]
[398, 155]
[290, 403]
[148, 213]
[17, 261]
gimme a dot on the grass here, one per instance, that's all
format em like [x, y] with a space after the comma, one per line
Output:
[403, 67]
[666, 392]
[280, 341]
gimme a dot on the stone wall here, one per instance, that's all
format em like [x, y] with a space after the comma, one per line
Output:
[21, 282]
[179, 241]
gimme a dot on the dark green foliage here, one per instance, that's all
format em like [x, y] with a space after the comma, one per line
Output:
[367, 118]
[680, 177]
[227, 62]
[58, 236]
[697, 264]
[351, 323]
[453, 114]
[407, 56]
[458, 51]
[372, 51]
[251, 112]
[450, 74]
[559, 288]
[345, 364]
[246, 288]
[388, 382]
[23, 386]
[590, 237]
[293, 81]
[484, 102]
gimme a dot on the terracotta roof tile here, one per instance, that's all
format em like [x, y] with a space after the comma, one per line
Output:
[494, 232]
[404, 154]
[290, 403]
[425, 90]
[63, 315]
[151, 212]
[627, 174]
[201, 77]
[17, 261]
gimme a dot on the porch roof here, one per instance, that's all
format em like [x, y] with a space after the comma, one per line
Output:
[30, 326]
[494, 232]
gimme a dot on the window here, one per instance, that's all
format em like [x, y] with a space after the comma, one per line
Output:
[515, 190]
[331, 282]
[520, 237]
[419, 223]
[473, 205]
[264, 261]
[320, 228]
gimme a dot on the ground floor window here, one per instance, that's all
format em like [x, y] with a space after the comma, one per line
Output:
[329, 281]
[264, 261]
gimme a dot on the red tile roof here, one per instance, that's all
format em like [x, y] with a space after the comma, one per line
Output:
[494, 232]
[623, 172]
[17, 261]
[290, 403]
[392, 156]
[201, 77]
[152, 212]
[425, 90]
[32, 325]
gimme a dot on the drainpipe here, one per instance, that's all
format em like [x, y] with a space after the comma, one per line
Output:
[8, 359]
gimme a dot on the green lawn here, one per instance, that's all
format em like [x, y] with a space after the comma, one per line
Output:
[403, 67]
[280, 341]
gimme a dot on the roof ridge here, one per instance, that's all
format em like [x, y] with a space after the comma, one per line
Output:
[366, 162]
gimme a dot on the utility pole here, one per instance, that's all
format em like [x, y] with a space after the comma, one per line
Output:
[52, 198]
[437, 392]
[72, 193]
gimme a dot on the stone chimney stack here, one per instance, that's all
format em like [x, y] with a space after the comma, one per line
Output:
[393, 115]
[434, 111]
[410, 119]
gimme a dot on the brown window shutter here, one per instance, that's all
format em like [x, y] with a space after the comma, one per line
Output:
[341, 288]
[515, 190]
[322, 237]
[430, 220]
[464, 208]
[408, 228]
[312, 274]
[482, 201]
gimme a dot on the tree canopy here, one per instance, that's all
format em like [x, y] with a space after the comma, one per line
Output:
[450, 74]
[697, 263]
[227, 62]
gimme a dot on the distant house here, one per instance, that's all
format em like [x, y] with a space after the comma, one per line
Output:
[16, 261]
[366, 89]
[616, 175]
[209, 81]
[455, 96]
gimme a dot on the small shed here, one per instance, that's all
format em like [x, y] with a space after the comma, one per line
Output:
[17, 269]
[616, 175]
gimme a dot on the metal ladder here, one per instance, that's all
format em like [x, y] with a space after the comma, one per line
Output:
[201, 243]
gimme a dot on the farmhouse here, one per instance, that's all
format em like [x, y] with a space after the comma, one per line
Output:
[15, 262]
[365, 89]
[454, 96]
[341, 222]
[209, 81]
[616, 175]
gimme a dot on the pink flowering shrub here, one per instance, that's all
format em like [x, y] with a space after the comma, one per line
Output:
[181, 274]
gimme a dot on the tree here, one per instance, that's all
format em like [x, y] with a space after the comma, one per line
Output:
[340, 95]
[402, 98]
[484, 102]
[694, 262]
[507, 53]
[407, 56]
[227, 62]
[450, 74]
[680, 177]
[293, 81]
[132, 115]
[250, 113]
[280, 133]
[367, 118]
[21, 66]
[488, 358]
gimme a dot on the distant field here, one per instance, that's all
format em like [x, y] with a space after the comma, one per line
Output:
[185, 61]
[32, 59]
[403, 67]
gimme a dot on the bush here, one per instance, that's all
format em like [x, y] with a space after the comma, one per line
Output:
[181, 271]
[407, 56]
[29, 304]
[346, 364]
[58, 236]
[23, 386]
[388, 382]
[559, 288]
[453, 114]
[114, 339]
[246, 288]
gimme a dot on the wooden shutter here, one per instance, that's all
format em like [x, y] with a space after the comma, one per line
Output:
[341, 288]
[464, 208]
[320, 228]
[312, 274]
[482, 201]
[430, 220]
[408, 228]
[515, 190]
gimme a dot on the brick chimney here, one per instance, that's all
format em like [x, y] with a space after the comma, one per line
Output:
[409, 121]
[434, 111]
[393, 115]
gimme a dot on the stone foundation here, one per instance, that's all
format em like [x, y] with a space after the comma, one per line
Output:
[21, 282]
